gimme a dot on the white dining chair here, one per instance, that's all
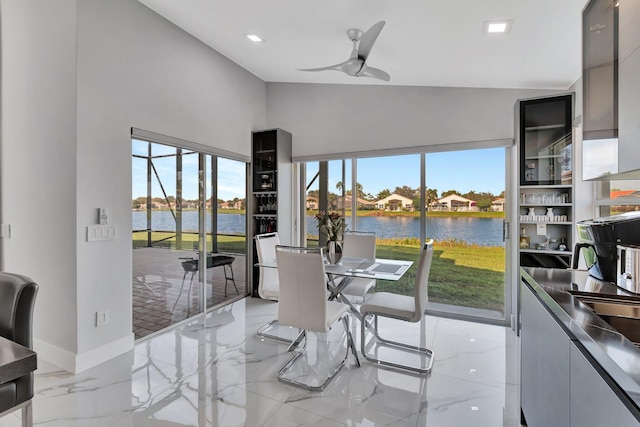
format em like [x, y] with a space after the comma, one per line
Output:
[303, 304]
[268, 284]
[359, 244]
[402, 307]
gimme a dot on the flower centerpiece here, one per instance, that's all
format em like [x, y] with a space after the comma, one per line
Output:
[332, 224]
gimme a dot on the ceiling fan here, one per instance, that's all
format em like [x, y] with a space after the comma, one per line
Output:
[356, 65]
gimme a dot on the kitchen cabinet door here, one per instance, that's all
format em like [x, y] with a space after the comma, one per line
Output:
[593, 402]
[629, 122]
[628, 28]
[545, 358]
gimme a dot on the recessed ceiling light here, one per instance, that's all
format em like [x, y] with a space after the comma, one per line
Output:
[254, 38]
[496, 27]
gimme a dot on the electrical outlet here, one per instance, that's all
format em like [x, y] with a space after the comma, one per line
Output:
[102, 317]
[5, 231]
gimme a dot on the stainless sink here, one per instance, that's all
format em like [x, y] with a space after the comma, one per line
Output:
[620, 312]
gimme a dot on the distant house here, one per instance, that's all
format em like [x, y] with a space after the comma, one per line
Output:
[231, 205]
[454, 203]
[312, 203]
[338, 203]
[395, 202]
[624, 193]
[498, 205]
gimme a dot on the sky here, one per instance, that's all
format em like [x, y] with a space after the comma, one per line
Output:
[464, 171]
[231, 174]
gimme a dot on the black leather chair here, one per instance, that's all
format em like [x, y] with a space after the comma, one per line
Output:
[17, 298]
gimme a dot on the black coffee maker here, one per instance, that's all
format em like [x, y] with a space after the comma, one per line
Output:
[598, 239]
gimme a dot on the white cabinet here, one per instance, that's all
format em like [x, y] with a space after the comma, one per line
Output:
[629, 111]
[545, 365]
[559, 384]
[628, 28]
[628, 85]
[593, 401]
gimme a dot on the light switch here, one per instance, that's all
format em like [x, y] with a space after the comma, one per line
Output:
[100, 232]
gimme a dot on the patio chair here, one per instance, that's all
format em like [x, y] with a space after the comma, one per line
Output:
[359, 244]
[402, 307]
[303, 304]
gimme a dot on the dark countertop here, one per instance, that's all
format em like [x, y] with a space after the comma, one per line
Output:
[15, 360]
[618, 357]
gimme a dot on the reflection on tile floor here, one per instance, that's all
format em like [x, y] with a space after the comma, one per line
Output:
[215, 372]
[165, 294]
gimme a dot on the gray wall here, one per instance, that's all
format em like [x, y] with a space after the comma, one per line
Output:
[39, 157]
[344, 118]
[67, 114]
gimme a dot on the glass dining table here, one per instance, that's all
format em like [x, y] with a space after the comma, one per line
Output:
[340, 275]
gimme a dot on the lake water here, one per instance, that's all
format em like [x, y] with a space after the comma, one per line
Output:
[482, 231]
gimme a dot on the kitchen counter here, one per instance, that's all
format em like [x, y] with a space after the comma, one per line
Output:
[617, 356]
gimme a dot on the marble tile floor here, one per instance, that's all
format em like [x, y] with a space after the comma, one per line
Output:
[213, 371]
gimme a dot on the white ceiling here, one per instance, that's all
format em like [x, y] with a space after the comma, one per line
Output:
[424, 42]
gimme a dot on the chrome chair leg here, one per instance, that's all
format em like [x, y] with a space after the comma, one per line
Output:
[295, 343]
[422, 351]
[349, 346]
[350, 342]
[262, 333]
[27, 415]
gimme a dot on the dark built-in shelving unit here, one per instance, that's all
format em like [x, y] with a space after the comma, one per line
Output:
[271, 179]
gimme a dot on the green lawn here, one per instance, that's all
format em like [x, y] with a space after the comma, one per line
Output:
[461, 274]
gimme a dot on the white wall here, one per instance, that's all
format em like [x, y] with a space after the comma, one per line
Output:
[67, 138]
[327, 119]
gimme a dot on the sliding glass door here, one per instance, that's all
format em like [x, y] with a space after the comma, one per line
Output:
[188, 233]
[456, 198]
[465, 215]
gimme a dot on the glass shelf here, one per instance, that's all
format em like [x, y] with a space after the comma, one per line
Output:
[545, 251]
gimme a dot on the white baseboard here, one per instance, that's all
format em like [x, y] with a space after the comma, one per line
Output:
[76, 363]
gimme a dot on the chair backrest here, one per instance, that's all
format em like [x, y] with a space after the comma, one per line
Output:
[303, 289]
[359, 244]
[17, 299]
[422, 280]
[266, 249]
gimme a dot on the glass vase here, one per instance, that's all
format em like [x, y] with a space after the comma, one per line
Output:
[334, 251]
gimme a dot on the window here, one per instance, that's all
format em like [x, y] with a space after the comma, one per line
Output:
[616, 197]
[462, 211]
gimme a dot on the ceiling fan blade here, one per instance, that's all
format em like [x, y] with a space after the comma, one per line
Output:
[375, 73]
[368, 39]
[337, 67]
[351, 66]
